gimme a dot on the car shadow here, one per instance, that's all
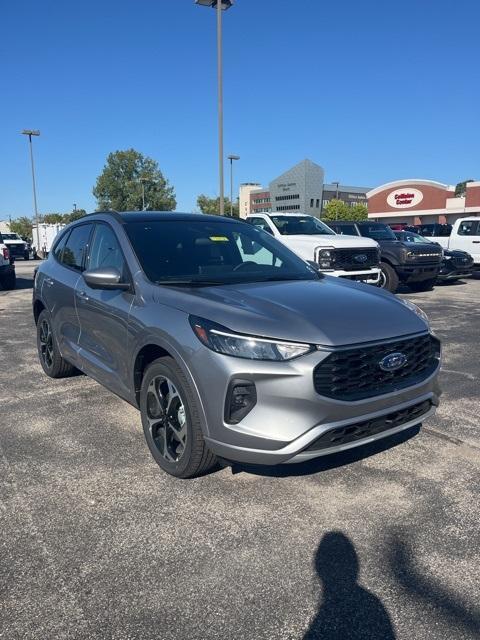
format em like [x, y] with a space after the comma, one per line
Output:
[24, 283]
[331, 461]
[347, 611]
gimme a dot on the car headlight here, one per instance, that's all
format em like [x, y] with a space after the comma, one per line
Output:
[325, 257]
[222, 340]
[413, 307]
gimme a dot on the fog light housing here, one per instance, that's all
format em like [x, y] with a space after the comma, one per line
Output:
[240, 400]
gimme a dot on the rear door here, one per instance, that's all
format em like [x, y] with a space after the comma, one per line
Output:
[103, 315]
[58, 288]
[468, 238]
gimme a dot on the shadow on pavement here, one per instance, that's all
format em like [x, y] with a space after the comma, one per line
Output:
[24, 283]
[347, 610]
[328, 462]
[427, 590]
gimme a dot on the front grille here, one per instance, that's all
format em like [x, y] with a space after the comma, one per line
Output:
[462, 262]
[354, 374]
[360, 430]
[425, 257]
[351, 259]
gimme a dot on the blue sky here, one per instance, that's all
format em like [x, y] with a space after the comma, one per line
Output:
[373, 91]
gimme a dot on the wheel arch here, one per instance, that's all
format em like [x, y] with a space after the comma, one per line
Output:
[38, 307]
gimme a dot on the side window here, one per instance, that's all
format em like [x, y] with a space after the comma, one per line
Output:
[261, 224]
[105, 250]
[76, 246]
[58, 249]
[468, 228]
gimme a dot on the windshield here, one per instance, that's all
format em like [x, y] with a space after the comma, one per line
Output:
[376, 231]
[184, 252]
[408, 236]
[301, 225]
[10, 236]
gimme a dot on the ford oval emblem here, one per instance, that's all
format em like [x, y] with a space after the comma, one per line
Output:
[361, 257]
[393, 361]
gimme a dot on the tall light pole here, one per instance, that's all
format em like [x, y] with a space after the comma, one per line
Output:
[30, 133]
[232, 158]
[336, 197]
[219, 5]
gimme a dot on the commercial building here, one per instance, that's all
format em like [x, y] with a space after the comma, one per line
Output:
[418, 201]
[300, 189]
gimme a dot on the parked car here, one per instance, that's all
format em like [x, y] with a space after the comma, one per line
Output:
[455, 264]
[7, 267]
[314, 241]
[17, 247]
[415, 265]
[228, 343]
[463, 235]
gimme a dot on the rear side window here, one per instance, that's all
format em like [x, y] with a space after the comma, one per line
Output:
[58, 248]
[76, 246]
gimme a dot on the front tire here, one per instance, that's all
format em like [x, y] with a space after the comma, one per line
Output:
[388, 277]
[171, 423]
[52, 362]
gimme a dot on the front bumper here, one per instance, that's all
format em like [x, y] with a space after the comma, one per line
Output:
[370, 276]
[290, 415]
[417, 273]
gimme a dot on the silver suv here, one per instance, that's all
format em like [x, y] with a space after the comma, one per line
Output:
[228, 343]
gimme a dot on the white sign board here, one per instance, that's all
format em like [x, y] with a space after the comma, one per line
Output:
[404, 198]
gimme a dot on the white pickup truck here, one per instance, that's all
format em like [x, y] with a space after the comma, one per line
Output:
[349, 257]
[464, 235]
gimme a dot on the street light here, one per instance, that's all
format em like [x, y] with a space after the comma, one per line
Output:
[336, 197]
[219, 6]
[30, 133]
[232, 158]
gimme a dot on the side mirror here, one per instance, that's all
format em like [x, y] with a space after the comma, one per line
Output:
[105, 278]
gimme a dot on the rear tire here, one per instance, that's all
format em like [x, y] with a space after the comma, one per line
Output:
[9, 281]
[424, 285]
[388, 277]
[52, 362]
[26, 255]
[171, 423]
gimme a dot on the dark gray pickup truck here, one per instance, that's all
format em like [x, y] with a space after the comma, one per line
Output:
[401, 262]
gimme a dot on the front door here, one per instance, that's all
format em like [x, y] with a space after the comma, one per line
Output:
[103, 316]
[469, 238]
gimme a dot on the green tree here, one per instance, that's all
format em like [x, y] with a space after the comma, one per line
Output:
[53, 218]
[74, 215]
[212, 205]
[336, 210]
[119, 186]
[22, 226]
[461, 188]
[339, 210]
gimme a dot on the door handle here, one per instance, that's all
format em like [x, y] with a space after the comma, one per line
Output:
[475, 241]
[82, 295]
[49, 282]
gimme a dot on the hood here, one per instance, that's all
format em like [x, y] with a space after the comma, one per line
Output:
[338, 241]
[329, 311]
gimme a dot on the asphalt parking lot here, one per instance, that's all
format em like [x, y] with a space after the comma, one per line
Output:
[96, 542]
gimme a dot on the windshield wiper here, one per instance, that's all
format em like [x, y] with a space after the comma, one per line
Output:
[190, 283]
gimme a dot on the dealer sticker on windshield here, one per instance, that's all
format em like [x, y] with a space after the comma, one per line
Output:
[218, 238]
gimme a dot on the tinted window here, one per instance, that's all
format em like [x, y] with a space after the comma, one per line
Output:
[221, 252]
[301, 225]
[468, 228]
[344, 229]
[105, 250]
[58, 248]
[377, 231]
[75, 247]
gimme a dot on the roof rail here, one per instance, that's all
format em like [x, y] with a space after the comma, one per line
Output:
[110, 212]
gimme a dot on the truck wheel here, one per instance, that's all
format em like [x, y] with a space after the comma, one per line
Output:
[9, 281]
[171, 423]
[26, 255]
[388, 277]
[424, 285]
[52, 362]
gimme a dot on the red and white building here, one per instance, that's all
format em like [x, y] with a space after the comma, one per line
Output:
[421, 202]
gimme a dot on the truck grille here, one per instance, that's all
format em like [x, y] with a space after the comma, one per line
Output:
[354, 374]
[356, 259]
[425, 257]
[367, 428]
[463, 262]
